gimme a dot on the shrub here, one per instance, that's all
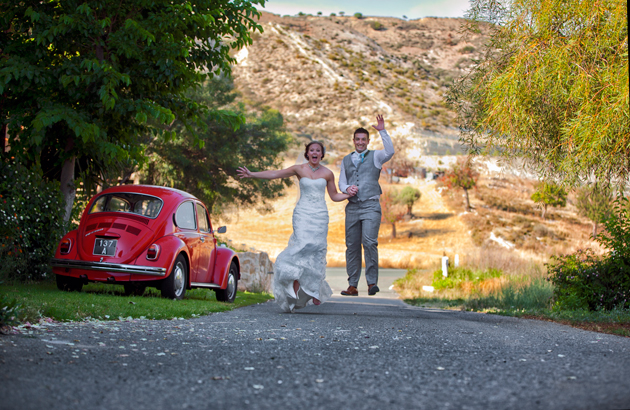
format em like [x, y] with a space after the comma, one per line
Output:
[358, 15]
[9, 311]
[376, 25]
[584, 280]
[31, 210]
[458, 276]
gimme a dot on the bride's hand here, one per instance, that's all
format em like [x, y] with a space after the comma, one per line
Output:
[244, 172]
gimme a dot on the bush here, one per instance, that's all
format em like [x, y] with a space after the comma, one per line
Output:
[9, 311]
[584, 280]
[376, 25]
[31, 210]
[457, 276]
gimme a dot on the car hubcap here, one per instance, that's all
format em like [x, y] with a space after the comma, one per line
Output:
[231, 285]
[179, 279]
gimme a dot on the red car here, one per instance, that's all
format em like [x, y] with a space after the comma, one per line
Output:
[139, 236]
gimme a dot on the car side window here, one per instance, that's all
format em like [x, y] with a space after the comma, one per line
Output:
[202, 217]
[185, 216]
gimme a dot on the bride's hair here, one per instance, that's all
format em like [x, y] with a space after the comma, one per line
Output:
[309, 145]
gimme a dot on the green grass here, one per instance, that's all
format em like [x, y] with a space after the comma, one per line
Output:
[107, 302]
[531, 299]
[457, 276]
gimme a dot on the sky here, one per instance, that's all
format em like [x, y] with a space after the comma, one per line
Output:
[382, 8]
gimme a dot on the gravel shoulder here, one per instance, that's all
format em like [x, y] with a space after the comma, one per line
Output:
[357, 352]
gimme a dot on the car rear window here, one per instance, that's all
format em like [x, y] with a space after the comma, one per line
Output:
[138, 204]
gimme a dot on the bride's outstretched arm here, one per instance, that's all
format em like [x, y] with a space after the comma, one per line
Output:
[332, 190]
[243, 172]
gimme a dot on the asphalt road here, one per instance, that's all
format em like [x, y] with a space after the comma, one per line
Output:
[353, 352]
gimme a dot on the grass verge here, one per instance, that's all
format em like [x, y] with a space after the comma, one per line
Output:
[523, 296]
[107, 302]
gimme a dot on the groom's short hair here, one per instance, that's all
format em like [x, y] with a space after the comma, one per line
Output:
[361, 131]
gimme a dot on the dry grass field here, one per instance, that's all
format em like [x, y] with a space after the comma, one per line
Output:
[504, 226]
[421, 241]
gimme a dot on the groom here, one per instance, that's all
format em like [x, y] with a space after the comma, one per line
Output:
[358, 176]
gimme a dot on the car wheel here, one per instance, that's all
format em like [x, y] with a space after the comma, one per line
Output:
[69, 284]
[174, 287]
[134, 289]
[229, 294]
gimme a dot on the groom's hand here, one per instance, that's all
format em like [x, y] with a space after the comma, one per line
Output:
[380, 126]
[352, 190]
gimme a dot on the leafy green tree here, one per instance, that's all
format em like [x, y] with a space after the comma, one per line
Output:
[81, 82]
[595, 204]
[208, 170]
[549, 194]
[461, 175]
[408, 197]
[358, 15]
[551, 87]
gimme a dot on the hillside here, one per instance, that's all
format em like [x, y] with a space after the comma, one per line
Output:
[330, 75]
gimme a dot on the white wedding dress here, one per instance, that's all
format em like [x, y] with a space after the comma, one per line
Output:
[304, 258]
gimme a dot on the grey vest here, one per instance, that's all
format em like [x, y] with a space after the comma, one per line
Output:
[365, 176]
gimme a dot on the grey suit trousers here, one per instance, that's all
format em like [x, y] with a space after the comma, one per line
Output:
[363, 220]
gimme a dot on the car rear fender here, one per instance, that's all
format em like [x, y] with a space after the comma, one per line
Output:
[225, 256]
[170, 247]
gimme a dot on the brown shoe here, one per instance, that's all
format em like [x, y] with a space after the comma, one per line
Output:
[351, 291]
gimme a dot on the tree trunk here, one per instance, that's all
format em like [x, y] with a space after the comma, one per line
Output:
[393, 229]
[467, 200]
[544, 211]
[67, 186]
[594, 229]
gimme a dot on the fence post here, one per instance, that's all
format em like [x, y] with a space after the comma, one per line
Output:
[445, 266]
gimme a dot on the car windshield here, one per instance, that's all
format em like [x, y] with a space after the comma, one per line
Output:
[144, 205]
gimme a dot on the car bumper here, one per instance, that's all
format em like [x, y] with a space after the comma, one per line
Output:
[108, 267]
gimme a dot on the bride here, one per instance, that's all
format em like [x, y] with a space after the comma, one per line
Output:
[300, 269]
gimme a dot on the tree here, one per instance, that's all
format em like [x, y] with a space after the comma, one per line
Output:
[209, 171]
[342, 13]
[551, 87]
[549, 194]
[358, 15]
[595, 204]
[408, 196]
[462, 175]
[82, 82]
[391, 211]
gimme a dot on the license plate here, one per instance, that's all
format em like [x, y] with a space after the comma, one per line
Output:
[105, 247]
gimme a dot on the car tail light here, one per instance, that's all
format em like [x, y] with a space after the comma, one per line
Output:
[65, 246]
[153, 252]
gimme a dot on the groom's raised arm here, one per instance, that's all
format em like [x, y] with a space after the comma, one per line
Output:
[381, 156]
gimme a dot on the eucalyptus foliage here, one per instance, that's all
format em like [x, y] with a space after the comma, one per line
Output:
[85, 79]
[552, 87]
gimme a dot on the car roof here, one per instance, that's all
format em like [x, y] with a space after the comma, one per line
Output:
[159, 191]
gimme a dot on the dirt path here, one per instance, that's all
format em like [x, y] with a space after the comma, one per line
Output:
[433, 230]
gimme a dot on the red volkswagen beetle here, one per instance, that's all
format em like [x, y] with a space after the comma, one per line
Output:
[139, 236]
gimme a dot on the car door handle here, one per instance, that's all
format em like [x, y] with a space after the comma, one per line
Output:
[203, 239]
